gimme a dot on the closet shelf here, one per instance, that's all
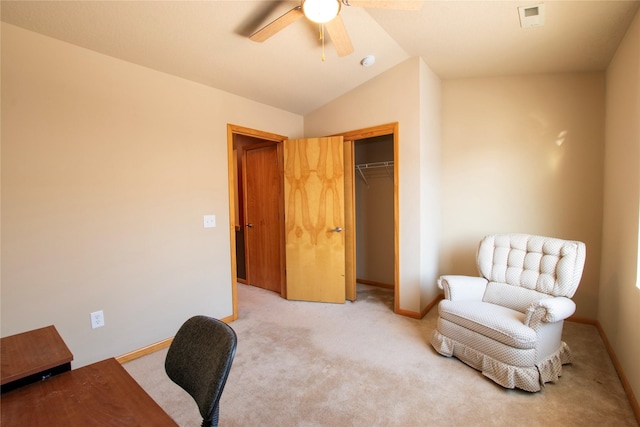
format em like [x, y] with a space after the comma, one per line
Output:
[388, 166]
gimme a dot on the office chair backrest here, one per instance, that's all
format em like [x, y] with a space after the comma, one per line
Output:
[199, 360]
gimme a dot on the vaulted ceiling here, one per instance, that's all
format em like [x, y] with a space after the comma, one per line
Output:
[207, 41]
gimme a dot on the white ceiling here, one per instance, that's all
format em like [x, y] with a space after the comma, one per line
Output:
[207, 41]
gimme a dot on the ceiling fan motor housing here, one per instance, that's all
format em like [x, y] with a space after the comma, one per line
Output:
[321, 11]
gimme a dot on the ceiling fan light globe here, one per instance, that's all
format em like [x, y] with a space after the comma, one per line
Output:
[321, 11]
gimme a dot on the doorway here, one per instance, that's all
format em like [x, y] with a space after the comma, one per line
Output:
[238, 136]
[374, 167]
[382, 157]
[261, 265]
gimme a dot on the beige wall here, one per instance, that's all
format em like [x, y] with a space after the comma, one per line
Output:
[107, 171]
[619, 302]
[524, 154]
[410, 95]
[430, 218]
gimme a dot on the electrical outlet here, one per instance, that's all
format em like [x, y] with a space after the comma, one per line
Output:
[97, 319]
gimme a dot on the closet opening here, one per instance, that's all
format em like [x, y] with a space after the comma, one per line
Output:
[374, 182]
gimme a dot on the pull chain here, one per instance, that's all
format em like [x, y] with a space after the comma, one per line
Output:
[321, 34]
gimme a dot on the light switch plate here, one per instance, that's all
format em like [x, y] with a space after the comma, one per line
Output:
[209, 221]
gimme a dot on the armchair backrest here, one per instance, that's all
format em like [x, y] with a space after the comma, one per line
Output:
[538, 266]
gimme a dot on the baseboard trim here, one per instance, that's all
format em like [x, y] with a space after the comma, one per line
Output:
[431, 305]
[372, 283]
[152, 348]
[136, 354]
[616, 363]
[584, 320]
[407, 313]
[421, 314]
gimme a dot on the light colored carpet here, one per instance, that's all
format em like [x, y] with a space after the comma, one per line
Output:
[359, 364]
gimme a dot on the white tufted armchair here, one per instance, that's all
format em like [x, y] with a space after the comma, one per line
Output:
[508, 323]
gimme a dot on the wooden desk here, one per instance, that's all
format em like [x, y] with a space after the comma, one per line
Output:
[101, 394]
[32, 356]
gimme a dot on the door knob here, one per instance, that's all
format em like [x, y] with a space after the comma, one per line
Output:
[250, 225]
[337, 230]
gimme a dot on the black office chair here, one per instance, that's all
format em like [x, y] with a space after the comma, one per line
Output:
[199, 360]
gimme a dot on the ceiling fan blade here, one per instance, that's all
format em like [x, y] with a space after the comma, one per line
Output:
[387, 4]
[279, 24]
[339, 36]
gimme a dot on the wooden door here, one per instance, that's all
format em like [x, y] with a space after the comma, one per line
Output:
[262, 213]
[314, 219]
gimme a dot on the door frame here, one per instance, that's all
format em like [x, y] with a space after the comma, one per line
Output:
[233, 130]
[349, 139]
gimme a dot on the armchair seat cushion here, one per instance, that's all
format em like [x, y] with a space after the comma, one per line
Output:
[499, 323]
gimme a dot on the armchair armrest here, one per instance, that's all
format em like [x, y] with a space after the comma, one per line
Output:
[463, 288]
[549, 310]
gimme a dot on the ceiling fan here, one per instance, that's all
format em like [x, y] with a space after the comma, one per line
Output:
[326, 13]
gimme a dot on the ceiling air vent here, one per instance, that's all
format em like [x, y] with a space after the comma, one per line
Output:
[531, 16]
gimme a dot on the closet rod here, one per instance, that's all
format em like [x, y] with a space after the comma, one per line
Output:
[374, 165]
